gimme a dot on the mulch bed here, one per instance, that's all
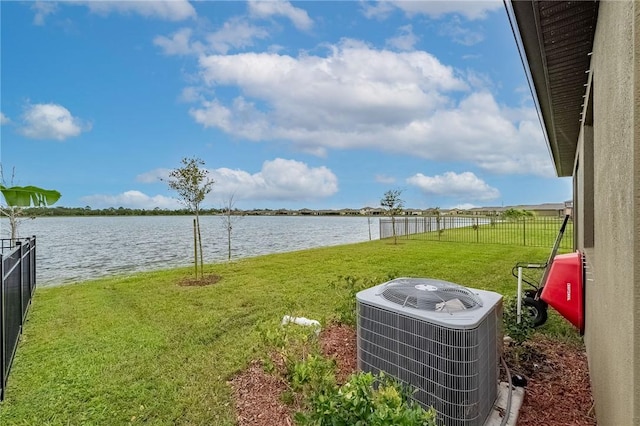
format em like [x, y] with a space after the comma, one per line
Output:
[257, 398]
[209, 279]
[557, 393]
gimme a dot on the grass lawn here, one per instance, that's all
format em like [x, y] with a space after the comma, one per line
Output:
[536, 232]
[141, 349]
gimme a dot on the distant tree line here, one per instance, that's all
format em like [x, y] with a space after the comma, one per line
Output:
[112, 211]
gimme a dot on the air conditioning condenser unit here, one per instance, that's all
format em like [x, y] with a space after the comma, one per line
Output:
[442, 339]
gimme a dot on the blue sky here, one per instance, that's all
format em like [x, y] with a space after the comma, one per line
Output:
[312, 104]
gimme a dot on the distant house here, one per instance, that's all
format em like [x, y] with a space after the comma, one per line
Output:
[370, 211]
[349, 212]
[584, 62]
[546, 209]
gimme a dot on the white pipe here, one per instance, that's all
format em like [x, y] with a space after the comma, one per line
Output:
[302, 321]
[519, 309]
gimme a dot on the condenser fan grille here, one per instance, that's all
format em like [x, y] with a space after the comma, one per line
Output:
[430, 295]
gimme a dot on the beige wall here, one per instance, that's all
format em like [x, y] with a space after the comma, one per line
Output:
[613, 297]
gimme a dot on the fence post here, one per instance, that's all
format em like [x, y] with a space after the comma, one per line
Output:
[32, 263]
[19, 246]
[2, 331]
[524, 231]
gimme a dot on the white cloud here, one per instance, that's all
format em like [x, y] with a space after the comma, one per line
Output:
[170, 10]
[42, 9]
[51, 121]
[470, 9]
[236, 33]
[405, 40]
[266, 9]
[464, 206]
[131, 199]
[190, 94]
[379, 10]
[385, 179]
[464, 185]
[153, 176]
[459, 33]
[358, 97]
[279, 179]
[179, 43]
[213, 115]
[352, 89]
[4, 119]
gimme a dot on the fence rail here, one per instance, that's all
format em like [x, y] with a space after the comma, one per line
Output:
[533, 231]
[18, 282]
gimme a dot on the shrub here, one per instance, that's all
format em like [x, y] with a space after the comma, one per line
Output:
[311, 375]
[346, 288]
[365, 400]
[288, 344]
[518, 332]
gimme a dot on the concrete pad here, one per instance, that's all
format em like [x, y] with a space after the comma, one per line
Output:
[500, 406]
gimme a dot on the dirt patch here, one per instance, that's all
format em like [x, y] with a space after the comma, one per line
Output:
[209, 279]
[557, 393]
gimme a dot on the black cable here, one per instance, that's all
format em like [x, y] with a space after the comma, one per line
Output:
[505, 419]
[529, 78]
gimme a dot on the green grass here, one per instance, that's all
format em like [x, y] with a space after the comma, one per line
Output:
[141, 349]
[536, 232]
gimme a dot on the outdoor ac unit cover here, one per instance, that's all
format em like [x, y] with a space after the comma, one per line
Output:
[440, 338]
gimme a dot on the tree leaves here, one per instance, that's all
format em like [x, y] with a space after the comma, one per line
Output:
[26, 196]
[191, 182]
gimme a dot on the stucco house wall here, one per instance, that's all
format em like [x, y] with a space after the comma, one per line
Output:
[607, 191]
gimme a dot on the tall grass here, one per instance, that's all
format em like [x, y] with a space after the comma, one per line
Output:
[142, 349]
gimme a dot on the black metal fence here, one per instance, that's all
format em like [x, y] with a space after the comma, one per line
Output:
[18, 274]
[538, 231]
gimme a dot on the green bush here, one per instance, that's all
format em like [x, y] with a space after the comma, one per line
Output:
[313, 374]
[346, 288]
[518, 332]
[365, 400]
[288, 345]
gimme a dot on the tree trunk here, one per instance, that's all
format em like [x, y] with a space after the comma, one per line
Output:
[393, 229]
[200, 246]
[13, 223]
[195, 247]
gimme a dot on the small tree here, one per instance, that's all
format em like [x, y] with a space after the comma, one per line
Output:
[435, 212]
[18, 197]
[517, 214]
[393, 205]
[192, 183]
[229, 221]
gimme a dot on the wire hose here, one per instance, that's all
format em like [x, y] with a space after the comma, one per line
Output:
[505, 419]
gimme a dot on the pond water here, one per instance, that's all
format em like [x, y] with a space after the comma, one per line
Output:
[72, 249]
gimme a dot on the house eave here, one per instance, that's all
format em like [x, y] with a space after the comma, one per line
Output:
[557, 38]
